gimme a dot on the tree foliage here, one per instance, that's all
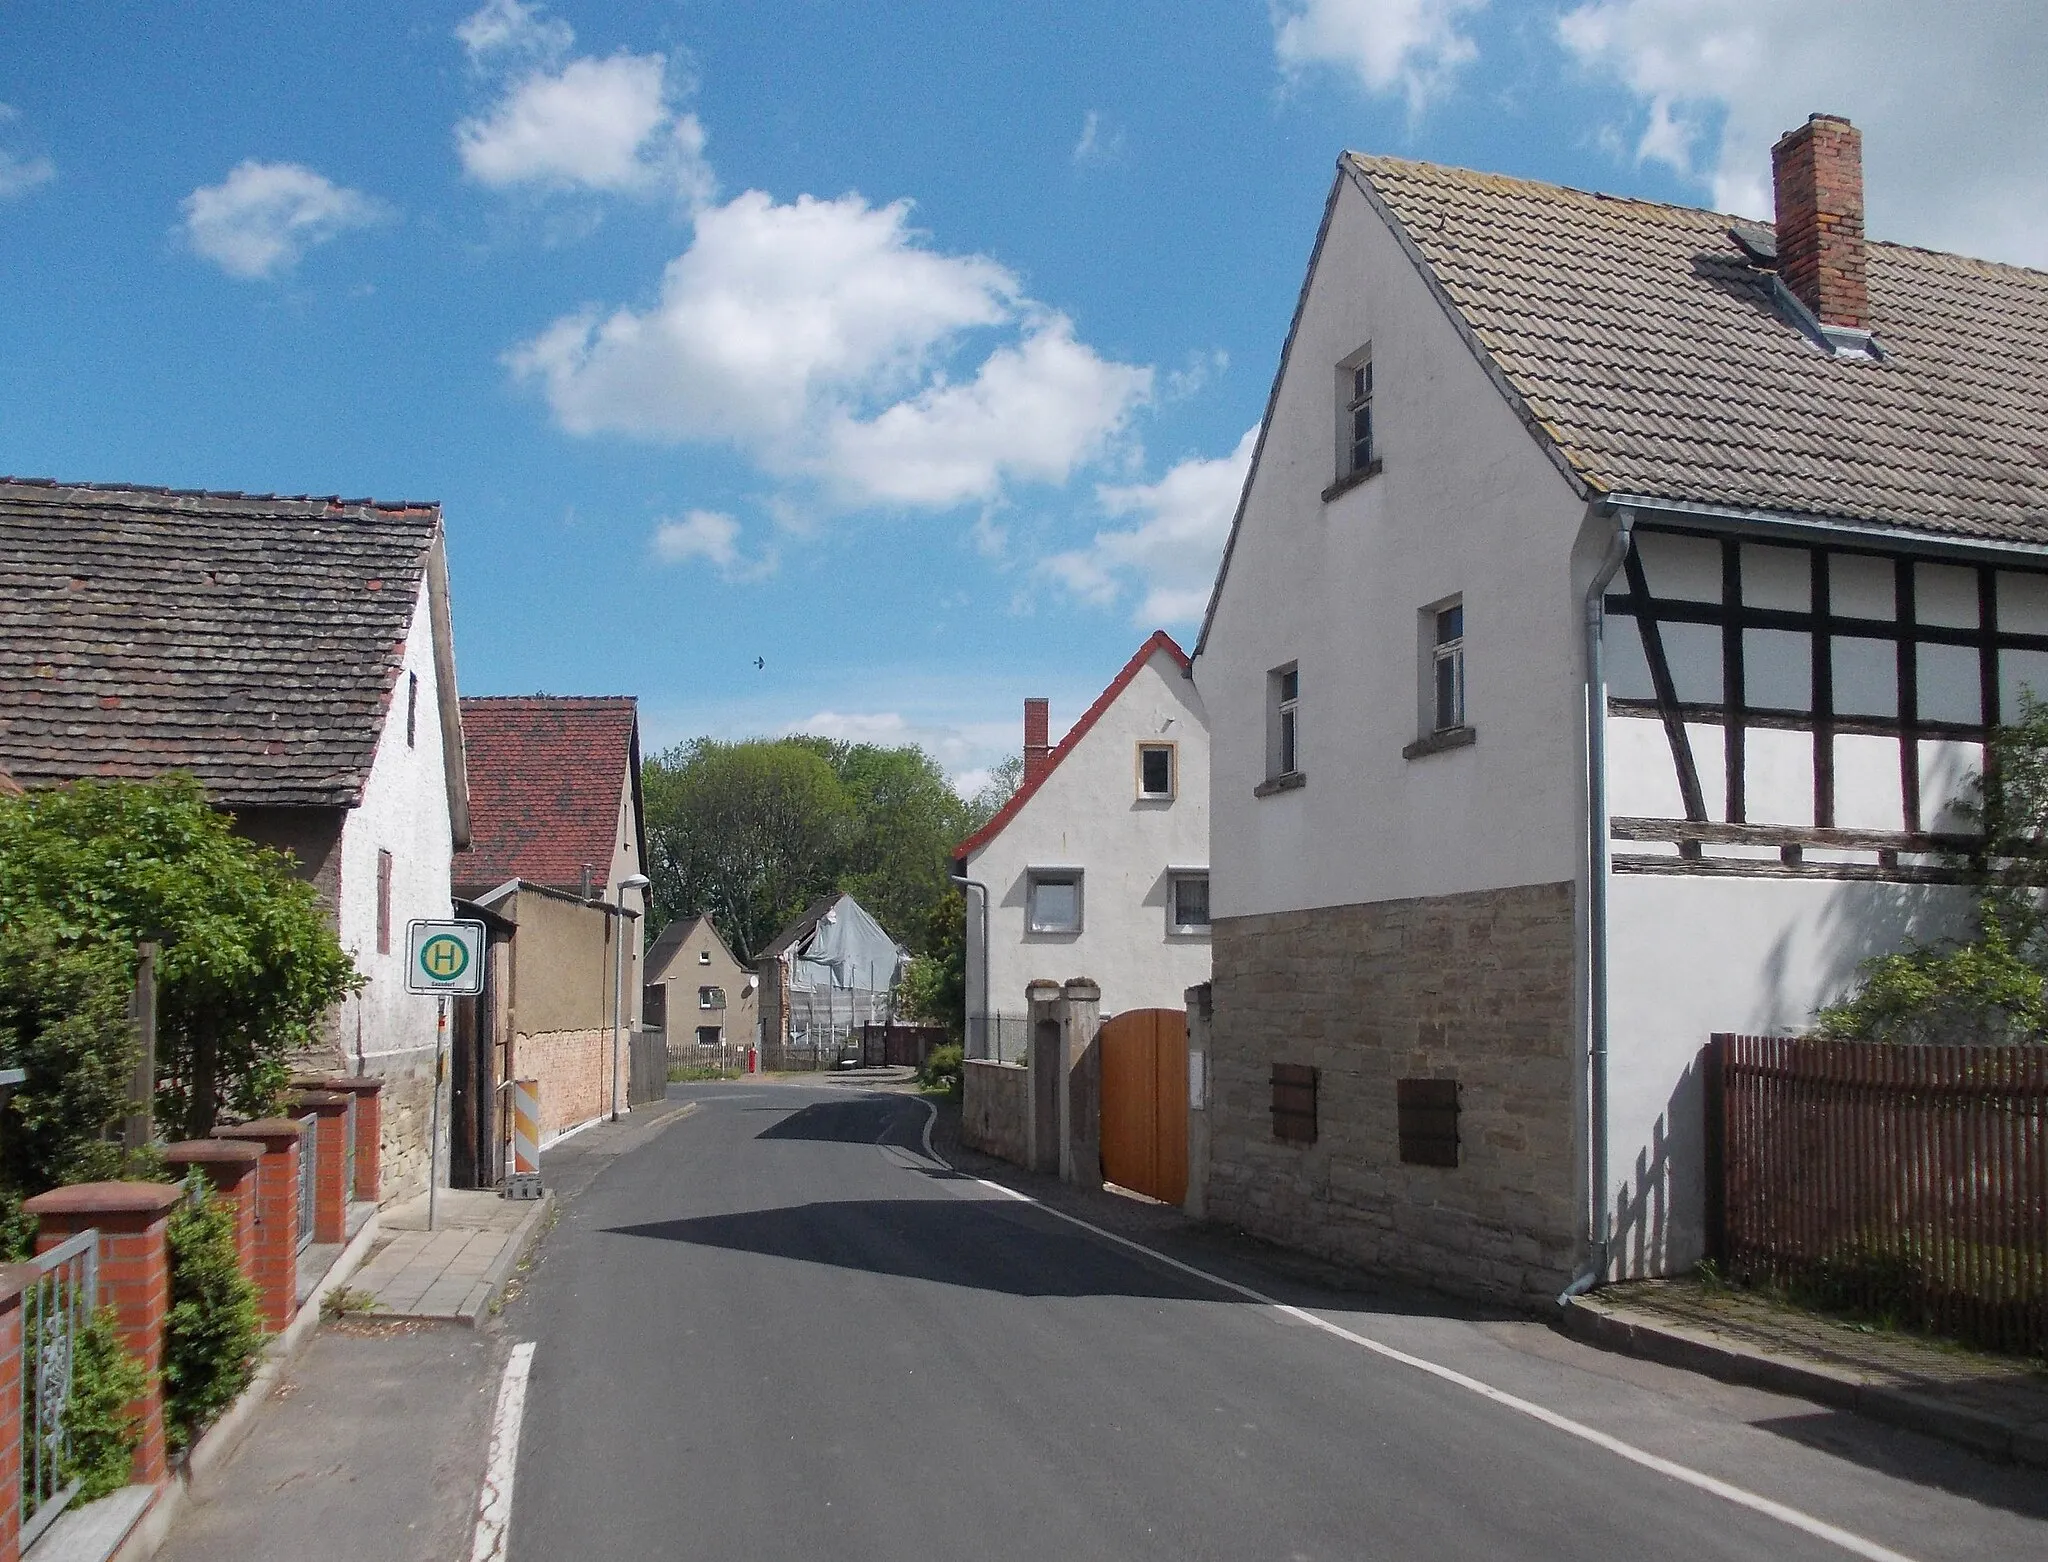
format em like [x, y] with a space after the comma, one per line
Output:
[249, 965]
[750, 833]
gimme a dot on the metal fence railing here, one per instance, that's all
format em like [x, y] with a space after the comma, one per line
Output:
[1906, 1181]
[309, 1175]
[54, 1309]
[999, 1038]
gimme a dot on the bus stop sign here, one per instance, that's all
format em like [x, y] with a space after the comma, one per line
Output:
[444, 957]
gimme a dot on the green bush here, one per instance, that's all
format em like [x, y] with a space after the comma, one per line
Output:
[213, 1332]
[942, 1067]
[105, 1383]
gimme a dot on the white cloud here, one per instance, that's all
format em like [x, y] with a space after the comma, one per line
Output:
[1949, 100]
[1171, 555]
[263, 217]
[712, 536]
[815, 335]
[609, 125]
[505, 27]
[1101, 141]
[1414, 47]
[21, 172]
[1034, 411]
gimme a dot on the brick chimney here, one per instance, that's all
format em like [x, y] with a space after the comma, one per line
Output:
[1037, 739]
[1818, 173]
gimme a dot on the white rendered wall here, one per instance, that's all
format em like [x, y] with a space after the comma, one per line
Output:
[626, 863]
[1087, 814]
[384, 1029]
[1466, 504]
[1692, 956]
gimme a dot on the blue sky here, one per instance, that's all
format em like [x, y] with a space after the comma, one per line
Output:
[909, 348]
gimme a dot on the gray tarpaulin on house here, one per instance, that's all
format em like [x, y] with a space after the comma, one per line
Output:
[847, 950]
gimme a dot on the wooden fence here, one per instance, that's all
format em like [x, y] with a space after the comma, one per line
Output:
[1910, 1182]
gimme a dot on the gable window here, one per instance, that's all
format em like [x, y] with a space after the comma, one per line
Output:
[1283, 722]
[1188, 908]
[412, 709]
[1155, 770]
[1357, 451]
[703, 957]
[1447, 668]
[383, 902]
[711, 997]
[1055, 900]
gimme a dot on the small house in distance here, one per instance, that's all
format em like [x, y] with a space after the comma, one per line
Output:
[698, 994]
[830, 972]
[296, 656]
[1099, 865]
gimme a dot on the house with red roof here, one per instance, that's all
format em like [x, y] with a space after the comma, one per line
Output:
[555, 839]
[1098, 866]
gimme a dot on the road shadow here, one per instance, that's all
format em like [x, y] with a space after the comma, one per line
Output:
[862, 1120]
[977, 1244]
[1908, 1456]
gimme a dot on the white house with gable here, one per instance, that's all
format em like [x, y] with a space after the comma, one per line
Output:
[1099, 865]
[1764, 500]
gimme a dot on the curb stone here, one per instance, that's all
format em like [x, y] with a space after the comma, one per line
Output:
[503, 1267]
[1695, 1350]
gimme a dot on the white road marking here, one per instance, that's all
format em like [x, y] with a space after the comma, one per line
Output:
[1820, 1529]
[494, 1512]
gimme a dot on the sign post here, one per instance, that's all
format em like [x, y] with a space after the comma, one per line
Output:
[445, 958]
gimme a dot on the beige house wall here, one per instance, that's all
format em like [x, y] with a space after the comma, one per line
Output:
[561, 1002]
[702, 960]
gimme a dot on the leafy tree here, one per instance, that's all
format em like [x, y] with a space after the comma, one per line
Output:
[64, 1022]
[906, 820]
[935, 986]
[250, 965]
[998, 789]
[748, 833]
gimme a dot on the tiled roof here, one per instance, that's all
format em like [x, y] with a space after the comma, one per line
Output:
[545, 774]
[249, 639]
[1646, 347]
[1160, 641]
[673, 937]
[806, 920]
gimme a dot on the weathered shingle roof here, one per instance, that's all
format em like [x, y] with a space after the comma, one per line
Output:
[250, 639]
[545, 774]
[1648, 350]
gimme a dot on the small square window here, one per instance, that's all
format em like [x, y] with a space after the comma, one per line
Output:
[1189, 911]
[710, 1035]
[1155, 770]
[703, 957]
[1447, 669]
[711, 997]
[1055, 902]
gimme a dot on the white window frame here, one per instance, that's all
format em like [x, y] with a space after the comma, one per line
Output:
[1035, 877]
[710, 998]
[1172, 753]
[1175, 877]
[703, 957]
[1444, 659]
[1283, 721]
[1355, 396]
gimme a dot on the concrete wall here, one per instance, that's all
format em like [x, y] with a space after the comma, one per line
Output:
[562, 1003]
[1088, 815]
[384, 1029]
[994, 1100]
[1476, 987]
[1467, 503]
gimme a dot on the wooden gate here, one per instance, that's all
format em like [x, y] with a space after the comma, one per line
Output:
[1145, 1102]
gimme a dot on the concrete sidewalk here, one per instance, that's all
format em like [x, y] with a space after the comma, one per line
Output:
[452, 1272]
[1994, 1405]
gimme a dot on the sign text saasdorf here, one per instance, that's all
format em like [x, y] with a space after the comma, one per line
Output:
[444, 957]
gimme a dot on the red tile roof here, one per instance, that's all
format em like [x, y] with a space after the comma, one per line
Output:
[1160, 641]
[544, 780]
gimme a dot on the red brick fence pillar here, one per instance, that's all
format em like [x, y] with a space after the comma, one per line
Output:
[14, 1279]
[230, 1169]
[369, 1126]
[330, 1157]
[277, 1214]
[135, 1280]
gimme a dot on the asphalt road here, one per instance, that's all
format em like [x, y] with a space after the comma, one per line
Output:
[775, 1329]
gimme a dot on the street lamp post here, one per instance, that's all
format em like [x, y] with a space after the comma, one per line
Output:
[638, 881]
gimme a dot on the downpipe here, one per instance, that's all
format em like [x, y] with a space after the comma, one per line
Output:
[1598, 853]
[966, 883]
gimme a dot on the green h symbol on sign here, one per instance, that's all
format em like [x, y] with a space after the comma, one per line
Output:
[444, 957]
